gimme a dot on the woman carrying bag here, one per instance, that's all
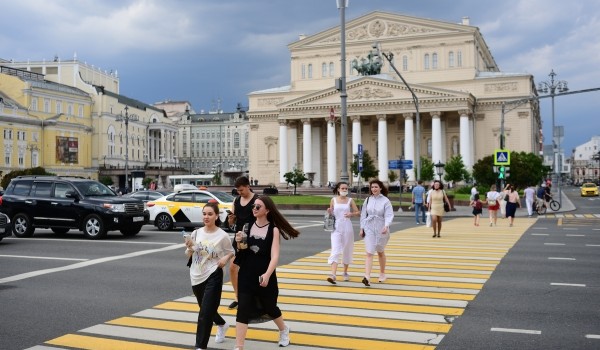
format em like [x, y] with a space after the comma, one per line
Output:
[438, 204]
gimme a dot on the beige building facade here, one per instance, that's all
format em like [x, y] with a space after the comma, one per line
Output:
[449, 66]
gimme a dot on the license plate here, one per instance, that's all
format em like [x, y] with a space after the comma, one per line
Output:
[138, 218]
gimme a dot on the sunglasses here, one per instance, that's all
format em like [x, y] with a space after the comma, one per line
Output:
[256, 206]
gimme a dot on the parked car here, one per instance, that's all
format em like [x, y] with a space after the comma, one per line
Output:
[184, 209]
[589, 189]
[147, 195]
[65, 203]
[5, 229]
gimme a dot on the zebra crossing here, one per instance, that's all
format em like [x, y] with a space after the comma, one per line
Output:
[569, 216]
[430, 282]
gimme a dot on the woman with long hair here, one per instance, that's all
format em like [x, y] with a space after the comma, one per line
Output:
[258, 256]
[512, 201]
[435, 202]
[375, 219]
[342, 237]
[493, 202]
[210, 249]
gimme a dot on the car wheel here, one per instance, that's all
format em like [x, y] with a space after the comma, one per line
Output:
[164, 222]
[22, 226]
[93, 227]
[131, 231]
[60, 230]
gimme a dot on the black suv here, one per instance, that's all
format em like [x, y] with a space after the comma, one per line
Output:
[64, 203]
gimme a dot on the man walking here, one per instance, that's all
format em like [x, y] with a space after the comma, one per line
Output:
[529, 198]
[417, 200]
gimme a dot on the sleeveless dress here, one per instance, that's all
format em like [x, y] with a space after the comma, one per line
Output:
[342, 237]
[437, 203]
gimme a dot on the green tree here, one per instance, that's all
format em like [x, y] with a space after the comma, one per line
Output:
[295, 177]
[455, 170]
[31, 171]
[426, 170]
[217, 178]
[392, 175]
[147, 181]
[525, 169]
[369, 170]
[106, 180]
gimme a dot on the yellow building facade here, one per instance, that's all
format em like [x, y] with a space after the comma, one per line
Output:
[459, 86]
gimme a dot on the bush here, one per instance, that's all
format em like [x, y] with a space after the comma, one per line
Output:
[270, 190]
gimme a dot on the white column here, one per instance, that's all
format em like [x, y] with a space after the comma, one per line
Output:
[382, 148]
[409, 144]
[293, 145]
[356, 135]
[283, 150]
[465, 138]
[307, 145]
[331, 151]
[472, 141]
[436, 137]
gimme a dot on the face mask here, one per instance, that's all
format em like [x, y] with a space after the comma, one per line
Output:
[343, 193]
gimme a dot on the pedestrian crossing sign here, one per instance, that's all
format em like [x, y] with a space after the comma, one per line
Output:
[501, 157]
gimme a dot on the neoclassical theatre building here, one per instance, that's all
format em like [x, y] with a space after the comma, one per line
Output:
[450, 68]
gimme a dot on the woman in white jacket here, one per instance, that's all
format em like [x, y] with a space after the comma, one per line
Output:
[375, 219]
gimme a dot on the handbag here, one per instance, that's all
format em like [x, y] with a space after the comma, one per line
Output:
[491, 202]
[446, 205]
[329, 222]
[428, 219]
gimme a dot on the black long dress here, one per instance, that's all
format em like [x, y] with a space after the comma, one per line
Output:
[256, 303]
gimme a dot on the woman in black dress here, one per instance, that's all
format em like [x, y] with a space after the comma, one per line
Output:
[258, 257]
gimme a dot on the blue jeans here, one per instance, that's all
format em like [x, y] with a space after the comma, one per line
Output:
[419, 207]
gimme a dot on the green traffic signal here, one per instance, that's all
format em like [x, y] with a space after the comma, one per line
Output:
[501, 173]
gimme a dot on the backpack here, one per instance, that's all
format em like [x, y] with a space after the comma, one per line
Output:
[478, 205]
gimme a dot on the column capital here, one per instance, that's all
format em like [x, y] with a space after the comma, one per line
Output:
[466, 112]
[283, 122]
[329, 121]
[305, 121]
[355, 118]
[408, 116]
[435, 114]
[381, 117]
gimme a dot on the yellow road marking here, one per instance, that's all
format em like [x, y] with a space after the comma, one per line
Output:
[93, 343]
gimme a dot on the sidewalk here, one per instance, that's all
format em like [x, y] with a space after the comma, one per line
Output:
[460, 211]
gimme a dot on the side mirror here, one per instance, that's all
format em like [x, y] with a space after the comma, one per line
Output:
[72, 194]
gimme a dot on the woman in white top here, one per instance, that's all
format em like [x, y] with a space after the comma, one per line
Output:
[209, 249]
[493, 202]
[342, 237]
[375, 219]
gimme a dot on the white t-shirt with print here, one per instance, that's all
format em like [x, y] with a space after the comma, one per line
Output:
[208, 249]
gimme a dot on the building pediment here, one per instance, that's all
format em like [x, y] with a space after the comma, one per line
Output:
[380, 26]
[372, 89]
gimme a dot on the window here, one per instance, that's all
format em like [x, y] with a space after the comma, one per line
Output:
[331, 69]
[7, 134]
[451, 59]
[426, 61]
[21, 159]
[42, 189]
[46, 105]
[236, 140]
[303, 71]
[34, 104]
[22, 188]
[324, 70]
[58, 107]
[70, 109]
[21, 135]
[434, 61]
[310, 71]
[61, 189]
[405, 63]
[459, 58]
[80, 111]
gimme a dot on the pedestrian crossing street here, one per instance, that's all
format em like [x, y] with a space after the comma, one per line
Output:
[430, 282]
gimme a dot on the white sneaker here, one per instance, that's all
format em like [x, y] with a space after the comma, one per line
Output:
[346, 277]
[284, 337]
[221, 330]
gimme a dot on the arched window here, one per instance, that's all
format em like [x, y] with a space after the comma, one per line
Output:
[426, 61]
[434, 61]
[405, 63]
[310, 71]
[459, 58]
[451, 59]
[331, 69]
[236, 140]
[324, 70]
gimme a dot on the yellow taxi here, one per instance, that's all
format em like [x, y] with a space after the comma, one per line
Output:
[589, 189]
[184, 208]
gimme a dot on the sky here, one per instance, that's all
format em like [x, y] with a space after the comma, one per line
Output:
[203, 51]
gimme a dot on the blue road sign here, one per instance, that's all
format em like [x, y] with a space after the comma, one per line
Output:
[405, 166]
[405, 161]
[360, 150]
[393, 164]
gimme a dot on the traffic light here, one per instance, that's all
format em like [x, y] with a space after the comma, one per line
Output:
[506, 171]
[502, 172]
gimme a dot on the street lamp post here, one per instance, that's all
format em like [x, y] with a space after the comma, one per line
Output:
[551, 87]
[342, 4]
[389, 57]
[126, 119]
[439, 167]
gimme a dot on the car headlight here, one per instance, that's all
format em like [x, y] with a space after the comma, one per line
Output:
[117, 208]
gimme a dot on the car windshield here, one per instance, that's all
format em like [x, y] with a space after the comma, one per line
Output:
[589, 185]
[223, 196]
[93, 189]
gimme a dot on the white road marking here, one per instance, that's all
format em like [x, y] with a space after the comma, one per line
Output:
[570, 229]
[88, 241]
[540, 228]
[40, 257]
[88, 263]
[540, 234]
[510, 330]
[592, 245]
[554, 244]
[592, 336]
[552, 258]
[305, 226]
[571, 235]
[567, 284]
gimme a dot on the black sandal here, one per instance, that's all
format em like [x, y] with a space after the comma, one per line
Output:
[365, 281]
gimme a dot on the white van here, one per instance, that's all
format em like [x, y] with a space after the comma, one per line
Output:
[184, 187]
